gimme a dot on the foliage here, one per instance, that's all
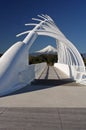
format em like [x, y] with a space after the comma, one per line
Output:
[49, 58]
[0, 54]
[84, 61]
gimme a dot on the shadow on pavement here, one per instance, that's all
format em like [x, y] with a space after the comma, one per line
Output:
[40, 84]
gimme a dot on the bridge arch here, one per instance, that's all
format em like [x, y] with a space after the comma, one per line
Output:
[14, 67]
[67, 52]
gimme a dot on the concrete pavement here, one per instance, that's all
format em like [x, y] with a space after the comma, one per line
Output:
[49, 103]
[42, 119]
[47, 92]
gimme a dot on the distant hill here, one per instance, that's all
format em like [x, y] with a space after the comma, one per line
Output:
[84, 55]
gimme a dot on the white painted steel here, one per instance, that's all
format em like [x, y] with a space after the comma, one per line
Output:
[22, 77]
[67, 52]
[15, 60]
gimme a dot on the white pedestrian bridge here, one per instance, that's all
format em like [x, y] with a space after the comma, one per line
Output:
[15, 72]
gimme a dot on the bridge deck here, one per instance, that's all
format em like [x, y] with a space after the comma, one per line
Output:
[52, 76]
[53, 73]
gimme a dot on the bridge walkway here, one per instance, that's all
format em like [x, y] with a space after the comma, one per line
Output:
[51, 72]
[52, 76]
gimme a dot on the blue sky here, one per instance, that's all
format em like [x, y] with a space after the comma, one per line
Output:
[69, 16]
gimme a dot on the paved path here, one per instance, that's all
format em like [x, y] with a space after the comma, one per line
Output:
[47, 92]
[42, 119]
[53, 73]
[47, 104]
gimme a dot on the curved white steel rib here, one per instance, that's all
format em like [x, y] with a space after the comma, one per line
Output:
[15, 60]
[69, 54]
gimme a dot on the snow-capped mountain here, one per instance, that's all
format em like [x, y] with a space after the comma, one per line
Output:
[47, 50]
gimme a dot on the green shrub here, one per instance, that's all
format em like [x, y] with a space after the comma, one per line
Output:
[49, 58]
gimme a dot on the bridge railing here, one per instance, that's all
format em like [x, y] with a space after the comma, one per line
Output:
[31, 72]
[80, 75]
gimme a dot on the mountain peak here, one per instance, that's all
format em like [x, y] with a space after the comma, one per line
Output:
[47, 50]
[49, 46]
